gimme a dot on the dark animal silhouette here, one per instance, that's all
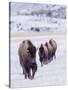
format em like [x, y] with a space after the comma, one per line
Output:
[43, 54]
[54, 45]
[50, 51]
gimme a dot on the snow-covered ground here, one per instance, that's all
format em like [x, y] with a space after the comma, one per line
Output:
[51, 22]
[53, 73]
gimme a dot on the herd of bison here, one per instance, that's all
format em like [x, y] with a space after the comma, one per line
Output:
[27, 56]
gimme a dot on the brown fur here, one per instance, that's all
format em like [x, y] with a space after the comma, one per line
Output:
[43, 54]
[54, 45]
[27, 62]
[50, 50]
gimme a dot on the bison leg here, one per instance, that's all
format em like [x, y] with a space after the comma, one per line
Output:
[29, 75]
[25, 75]
[41, 60]
[34, 69]
[45, 61]
[54, 54]
[50, 57]
[27, 70]
[41, 64]
[23, 71]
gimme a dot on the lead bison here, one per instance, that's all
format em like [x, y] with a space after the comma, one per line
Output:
[27, 57]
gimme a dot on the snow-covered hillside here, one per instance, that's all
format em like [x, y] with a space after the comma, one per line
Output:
[45, 17]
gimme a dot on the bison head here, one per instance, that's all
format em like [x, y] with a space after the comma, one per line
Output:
[41, 50]
[32, 51]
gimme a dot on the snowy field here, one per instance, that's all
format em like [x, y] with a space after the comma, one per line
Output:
[50, 21]
[53, 73]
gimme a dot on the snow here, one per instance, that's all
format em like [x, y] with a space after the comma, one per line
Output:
[54, 73]
[18, 23]
[38, 9]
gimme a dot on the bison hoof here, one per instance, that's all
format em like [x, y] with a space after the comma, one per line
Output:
[41, 64]
[46, 63]
[25, 76]
[55, 57]
[30, 78]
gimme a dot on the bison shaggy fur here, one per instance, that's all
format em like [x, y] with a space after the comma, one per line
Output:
[27, 58]
[43, 54]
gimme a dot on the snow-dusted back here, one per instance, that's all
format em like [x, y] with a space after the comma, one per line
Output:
[37, 17]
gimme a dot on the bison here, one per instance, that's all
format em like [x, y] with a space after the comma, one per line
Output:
[43, 54]
[27, 58]
[50, 51]
[54, 45]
